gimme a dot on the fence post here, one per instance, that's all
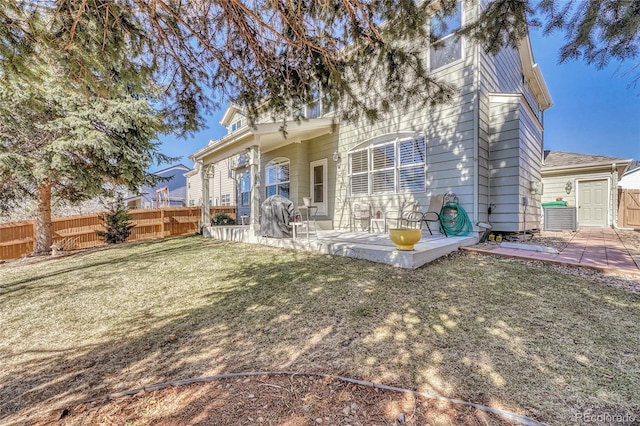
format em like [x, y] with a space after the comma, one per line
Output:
[161, 223]
[33, 235]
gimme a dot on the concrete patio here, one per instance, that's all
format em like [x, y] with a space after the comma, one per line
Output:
[375, 247]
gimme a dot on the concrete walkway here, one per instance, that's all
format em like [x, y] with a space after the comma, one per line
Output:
[595, 248]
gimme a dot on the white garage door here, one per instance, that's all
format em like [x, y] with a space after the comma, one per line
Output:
[592, 203]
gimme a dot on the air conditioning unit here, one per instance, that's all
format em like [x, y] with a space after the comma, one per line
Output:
[560, 219]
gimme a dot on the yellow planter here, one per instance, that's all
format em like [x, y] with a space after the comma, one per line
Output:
[405, 239]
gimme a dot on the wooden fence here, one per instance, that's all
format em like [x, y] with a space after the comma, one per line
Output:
[629, 208]
[77, 232]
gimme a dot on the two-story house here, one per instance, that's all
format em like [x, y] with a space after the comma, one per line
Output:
[486, 146]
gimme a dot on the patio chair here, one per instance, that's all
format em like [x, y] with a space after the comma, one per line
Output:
[361, 213]
[304, 221]
[433, 213]
[404, 216]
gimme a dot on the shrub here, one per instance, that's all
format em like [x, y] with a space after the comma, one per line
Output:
[117, 222]
[222, 219]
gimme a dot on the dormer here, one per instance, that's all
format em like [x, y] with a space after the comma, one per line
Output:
[233, 119]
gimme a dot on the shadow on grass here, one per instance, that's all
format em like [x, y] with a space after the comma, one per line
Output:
[156, 248]
[502, 334]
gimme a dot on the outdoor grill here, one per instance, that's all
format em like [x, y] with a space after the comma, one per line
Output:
[276, 214]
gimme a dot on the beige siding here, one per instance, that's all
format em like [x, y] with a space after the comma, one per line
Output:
[194, 190]
[300, 156]
[515, 152]
[321, 148]
[449, 130]
[222, 183]
[513, 132]
[237, 116]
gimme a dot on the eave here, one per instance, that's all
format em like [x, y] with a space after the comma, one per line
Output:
[533, 75]
[268, 136]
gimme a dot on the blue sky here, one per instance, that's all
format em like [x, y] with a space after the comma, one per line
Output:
[594, 111]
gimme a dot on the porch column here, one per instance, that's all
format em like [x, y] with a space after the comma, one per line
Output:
[254, 167]
[206, 214]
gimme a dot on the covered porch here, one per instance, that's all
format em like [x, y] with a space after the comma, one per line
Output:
[375, 247]
[268, 160]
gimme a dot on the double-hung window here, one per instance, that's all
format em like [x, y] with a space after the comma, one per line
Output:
[245, 188]
[359, 171]
[388, 166]
[383, 164]
[411, 165]
[225, 200]
[448, 47]
[277, 177]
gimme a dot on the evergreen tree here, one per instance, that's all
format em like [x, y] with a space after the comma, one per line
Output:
[117, 222]
[58, 143]
[274, 55]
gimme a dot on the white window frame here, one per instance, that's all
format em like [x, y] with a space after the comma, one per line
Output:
[277, 164]
[377, 170]
[360, 173]
[225, 199]
[245, 178]
[398, 167]
[322, 206]
[236, 125]
[446, 38]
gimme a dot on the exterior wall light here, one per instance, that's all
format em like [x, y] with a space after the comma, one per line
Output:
[568, 187]
[336, 156]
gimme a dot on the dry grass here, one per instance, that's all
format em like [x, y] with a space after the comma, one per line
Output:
[518, 337]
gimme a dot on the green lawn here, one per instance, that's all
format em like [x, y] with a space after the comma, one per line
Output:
[513, 336]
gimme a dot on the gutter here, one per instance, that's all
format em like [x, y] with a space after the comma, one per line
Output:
[213, 145]
[588, 166]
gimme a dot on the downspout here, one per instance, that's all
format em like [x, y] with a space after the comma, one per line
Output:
[476, 135]
[614, 196]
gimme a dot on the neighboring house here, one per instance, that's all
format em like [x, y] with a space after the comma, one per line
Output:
[222, 185]
[486, 146]
[631, 179]
[147, 197]
[587, 182]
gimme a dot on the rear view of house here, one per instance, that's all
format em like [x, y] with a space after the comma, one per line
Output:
[485, 147]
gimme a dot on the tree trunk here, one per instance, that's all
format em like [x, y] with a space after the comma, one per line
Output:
[44, 237]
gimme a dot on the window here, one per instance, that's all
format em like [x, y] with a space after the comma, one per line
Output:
[245, 188]
[383, 161]
[448, 48]
[277, 177]
[225, 200]
[318, 107]
[236, 125]
[388, 166]
[359, 169]
[411, 165]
